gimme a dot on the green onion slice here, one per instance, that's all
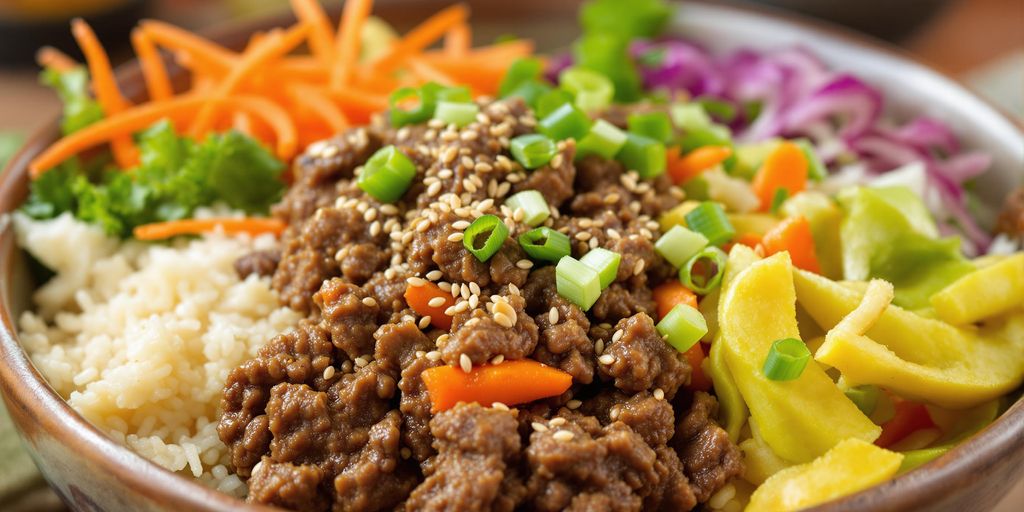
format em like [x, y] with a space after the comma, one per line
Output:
[551, 101]
[786, 359]
[530, 91]
[605, 139]
[545, 244]
[410, 105]
[535, 207]
[387, 175]
[703, 271]
[780, 196]
[593, 90]
[533, 150]
[816, 169]
[604, 262]
[458, 114]
[683, 327]
[566, 122]
[493, 233]
[458, 94]
[577, 282]
[643, 154]
[864, 397]
[709, 219]
[679, 244]
[524, 70]
[654, 125]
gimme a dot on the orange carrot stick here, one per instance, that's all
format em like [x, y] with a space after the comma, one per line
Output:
[164, 230]
[684, 168]
[320, 105]
[670, 294]
[349, 41]
[359, 105]
[793, 235]
[51, 58]
[784, 168]
[311, 13]
[429, 73]
[419, 298]
[174, 38]
[153, 70]
[699, 381]
[458, 41]
[420, 37]
[510, 382]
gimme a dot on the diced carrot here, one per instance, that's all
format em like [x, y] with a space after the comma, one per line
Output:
[670, 294]
[420, 37]
[784, 168]
[510, 383]
[320, 105]
[458, 41]
[420, 297]
[699, 381]
[153, 71]
[51, 58]
[348, 41]
[164, 230]
[908, 418]
[684, 168]
[320, 34]
[751, 240]
[174, 38]
[793, 235]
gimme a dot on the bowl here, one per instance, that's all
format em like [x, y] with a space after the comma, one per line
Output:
[93, 473]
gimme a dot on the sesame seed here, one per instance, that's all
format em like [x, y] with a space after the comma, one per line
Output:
[499, 406]
[599, 347]
[465, 363]
[612, 198]
[424, 322]
[434, 275]
[498, 359]
[436, 302]
[369, 302]
[639, 267]
[539, 427]
[553, 316]
[573, 404]
[659, 394]
[613, 234]
[474, 288]
[593, 243]
[618, 335]
[415, 281]
[614, 413]
[370, 215]
[420, 353]
[513, 289]
[474, 301]
[434, 355]
[524, 264]
[519, 214]
[583, 235]
[464, 292]
[456, 237]
[450, 311]
[443, 338]
[361, 361]
[503, 320]
[460, 224]
[389, 273]
[606, 359]
[563, 436]
[557, 422]
[434, 189]
[329, 373]
[375, 228]
[388, 209]
[557, 160]
[456, 288]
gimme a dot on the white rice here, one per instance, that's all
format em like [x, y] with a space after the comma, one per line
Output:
[139, 338]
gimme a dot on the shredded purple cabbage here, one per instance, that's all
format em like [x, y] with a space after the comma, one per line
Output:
[800, 97]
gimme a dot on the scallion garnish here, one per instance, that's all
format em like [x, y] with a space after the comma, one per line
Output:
[604, 262]
[642, 154]
[577, 282]
[679, 244]
[786, 359]
[816, 170]
[551, 101]
[387, 174]
[605, 139]
[864, 397]
[530, 91]
[780, 196]
[593, 90]
[533, 150]
[566, 122]
[654, 125]
[535, 207]
[456, 113]
[709, 219]
[682, 327]
[492, 230]
[458, 94]
[703, 271]
[522, 71]
[410, 105]
[545, 244]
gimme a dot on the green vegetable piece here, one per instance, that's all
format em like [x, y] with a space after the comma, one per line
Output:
[387, 175]
[709, 219]
[683, 327]
[241, 172]
[786, 360]
[458, 114]
[864, 397]
[411, 105]
[780, 196]
[551, 101]
[484, 237]
[533, 150]
[566, 122]
[577, 282]
[522, 71]
[816, 169]
[535, 207]
[608, 54]
[592, 90]
[914, 459]
[604, 262]
[604, 139]
[545, 244]
[644, 155]
[703, 272]
[72, 86]
[678, 245]
[723, 110]
[633, 19]
[530, 91]
[654, 125]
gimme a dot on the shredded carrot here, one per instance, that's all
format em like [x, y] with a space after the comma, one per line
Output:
[428, 73]
[164, 230]
[458, 41]
[174, 38]
[242, 122]
[699, 381]
[357, 104]
[793, 235]
[51, 58]
[670, 294]
[510, 382]
[311, 13]
[319, 104]
[349, 41]
[784, 168]
[751, 240]
[419, 298]
[684, 168]
[420, 37]
[153, 70]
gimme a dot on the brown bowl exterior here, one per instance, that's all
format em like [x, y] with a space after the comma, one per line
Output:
[93, 473]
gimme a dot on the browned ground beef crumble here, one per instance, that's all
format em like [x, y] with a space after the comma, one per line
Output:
[334, 414]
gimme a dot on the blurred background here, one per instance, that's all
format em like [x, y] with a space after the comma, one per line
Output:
[980, 42]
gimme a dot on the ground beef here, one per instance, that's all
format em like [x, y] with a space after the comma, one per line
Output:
[563, 343]
[286, 485]
[640, 360]
[709, 458]
[1011, 219]
[479, 336]
[555, 180]
[261, 263]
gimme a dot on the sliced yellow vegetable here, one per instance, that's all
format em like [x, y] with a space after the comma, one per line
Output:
[825, 217]
[676, 216]
[984, 293]
[756, 223]
[800, 419]
[919, 358]
[852, 465]
[709, 308]
[759, 461]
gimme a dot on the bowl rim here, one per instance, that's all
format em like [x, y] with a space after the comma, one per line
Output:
[25, 389]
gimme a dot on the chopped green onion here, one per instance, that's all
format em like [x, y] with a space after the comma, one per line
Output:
[703, 271]
[565, 122]
[683, 327]
[913, 459]
[387, 175]
[679, 244]
[545, 244]
[604, 262]
[530, 91]
[786, 359]
[551, 101]
[722, 110]
[577, 282]
[608, 54]
[535, 207]
[709, 219]
[593, 90]
[605, 139]
[654, 125]
[780, 196]
[421, 100]
[697, 188]
[459, 94]
[644, 155]
[816, 170]
[459, 114]
[521, 71]
[490, 226]
[864, 397]
[715, 135]
[689, 116]
[533, 150]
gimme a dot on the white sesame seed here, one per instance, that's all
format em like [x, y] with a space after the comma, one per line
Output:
[445, 286]
[557, 160]
[460, 224]
[593, 243]
[474, 288]
[463, 305]
[606, 359]
[416, 281]
[388, 209]
[443, 338]
[456, 288]
[563, 436]
[424, 322]
[456, 237]
[434, 275]
[553, 316]
[613, 234]
[583, 236]
[464, 292]
[503, 320]
[360, 361]
[369, 302]
[420, 353]
[450, 311]
[614, 413]
[524, 264]
[433, 355]
[512, 288]
[436, 302]
[498, 359]
[599, 347]
[499, 406]
[612, 198]
[474, 301]
[433, 189]
[539, 427]
[518, 214]
[573, 404]
[618, 335]
[557, 422]
[465, 363]
[329, 373]
[659, 394]
[639, 267]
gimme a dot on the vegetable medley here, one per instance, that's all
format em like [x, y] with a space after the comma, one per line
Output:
[817, 268]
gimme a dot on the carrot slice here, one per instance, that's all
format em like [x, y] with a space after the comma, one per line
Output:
[311, 13]
[164, 230]
[684, 168]
[153, 70]
[349, 41]
[319, 104]
[458, 41]
[428, 73]
[420, 37]
[359, 105]
[510, 382]
[174, 38]
[670, 294]
[419, 298]
[793, 235]
[51, 58]
[699, 381]
[784, 168]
